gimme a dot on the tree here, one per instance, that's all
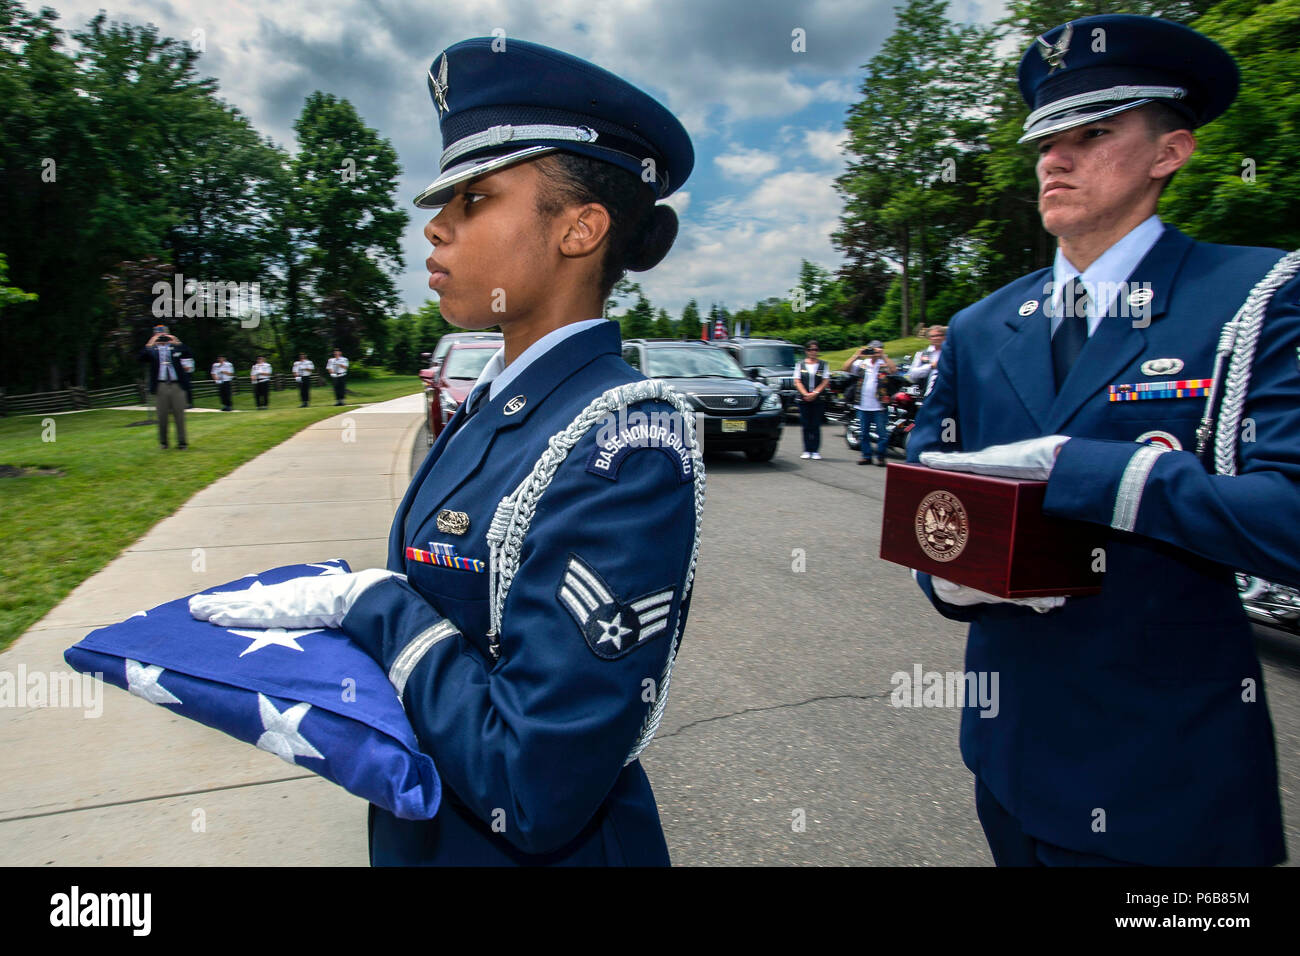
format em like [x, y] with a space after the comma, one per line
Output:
[345, 179]
[922, 117]
[1241, 185]
[638, 322]
[690, 322]
[664, 327]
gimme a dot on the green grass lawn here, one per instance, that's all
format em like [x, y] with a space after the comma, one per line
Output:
[57, 530]
[893, 348]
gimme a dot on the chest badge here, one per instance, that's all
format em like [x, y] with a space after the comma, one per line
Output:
[1162, 366]
[1029, 307]
[1158, 437]
[452, 522]
[514, 405]
[1140, 298]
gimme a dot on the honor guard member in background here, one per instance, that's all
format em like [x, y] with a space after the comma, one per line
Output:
[1133, 726]
[540, 564]
[168, 379]
[260, 374]
[223, 373]
[337, 367]
[302, 373]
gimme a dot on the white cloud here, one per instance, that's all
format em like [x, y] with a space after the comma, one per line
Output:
[680, 201]
[825, 145]
[747, 163]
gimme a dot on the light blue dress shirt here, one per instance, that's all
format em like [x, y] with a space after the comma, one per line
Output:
[1112, 267]
[497, 374]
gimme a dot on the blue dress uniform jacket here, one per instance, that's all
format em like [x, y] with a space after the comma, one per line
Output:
[1146, 701]
[531, 745]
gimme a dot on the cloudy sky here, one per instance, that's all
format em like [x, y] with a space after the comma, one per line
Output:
[766, 122]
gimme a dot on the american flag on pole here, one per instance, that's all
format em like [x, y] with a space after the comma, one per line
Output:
[719, 330]
[311, 697]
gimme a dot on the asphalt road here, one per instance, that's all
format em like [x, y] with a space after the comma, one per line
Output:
[779, 744]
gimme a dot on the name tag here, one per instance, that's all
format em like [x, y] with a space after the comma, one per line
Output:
[1144, 391]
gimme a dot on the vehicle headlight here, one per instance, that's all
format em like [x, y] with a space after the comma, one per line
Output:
[771, 403]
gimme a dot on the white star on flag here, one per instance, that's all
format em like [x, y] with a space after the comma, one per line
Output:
[142, 680]
[614, 631]
[328, 568]
[281, 735]
[272, 635]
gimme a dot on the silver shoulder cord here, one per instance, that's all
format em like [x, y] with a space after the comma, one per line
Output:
[1239, 337]
[514, 515]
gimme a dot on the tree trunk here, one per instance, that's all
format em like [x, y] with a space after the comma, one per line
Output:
[907, 281]
[924, 264]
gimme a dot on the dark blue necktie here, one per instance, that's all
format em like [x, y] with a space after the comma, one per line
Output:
[1072, 333]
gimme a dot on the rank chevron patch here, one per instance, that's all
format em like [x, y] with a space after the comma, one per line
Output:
[611, 627]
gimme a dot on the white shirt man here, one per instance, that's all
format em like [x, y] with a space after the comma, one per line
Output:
[303, 366]
[928, 360]
[869, 397]
[223, 373]
[261, 372]
[336, 366]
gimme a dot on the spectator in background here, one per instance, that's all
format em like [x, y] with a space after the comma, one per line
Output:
[338, 371]
[223, 373]
[928, 360]
[302, 373]
[261, 376]
[187, 363]
[811, 377]
[868, 361]
[167, 380]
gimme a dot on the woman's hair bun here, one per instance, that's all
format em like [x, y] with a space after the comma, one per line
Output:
[648, 250]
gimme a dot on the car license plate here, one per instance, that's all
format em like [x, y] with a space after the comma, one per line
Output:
[733, 424]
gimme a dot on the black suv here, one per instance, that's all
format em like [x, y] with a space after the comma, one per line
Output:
[736, 413]
[770, 361]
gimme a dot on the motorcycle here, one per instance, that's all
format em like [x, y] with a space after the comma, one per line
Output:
[902, 405]
[1274, 604]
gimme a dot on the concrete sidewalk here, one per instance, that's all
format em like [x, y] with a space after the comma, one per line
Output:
[138, 785]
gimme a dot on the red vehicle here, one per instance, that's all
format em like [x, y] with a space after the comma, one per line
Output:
[449, 383]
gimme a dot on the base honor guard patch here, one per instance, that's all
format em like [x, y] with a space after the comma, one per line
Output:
[611, 627]
[1142, 391]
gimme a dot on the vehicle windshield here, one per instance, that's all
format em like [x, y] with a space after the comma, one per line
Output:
[772, 356]
[467, 363]
[702, 362]
[447, 341]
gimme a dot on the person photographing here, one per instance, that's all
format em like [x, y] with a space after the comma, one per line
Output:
[168, 380]
[867, 363]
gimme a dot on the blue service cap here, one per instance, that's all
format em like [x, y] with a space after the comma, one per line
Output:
[499, 106]
[1096, 67]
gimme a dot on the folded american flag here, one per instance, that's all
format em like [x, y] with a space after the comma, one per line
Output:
[310, 696]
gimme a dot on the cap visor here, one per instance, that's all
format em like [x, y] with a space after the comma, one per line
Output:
[439, 192]
[1064, 121]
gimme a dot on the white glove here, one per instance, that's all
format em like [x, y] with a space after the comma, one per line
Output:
[962, 596]
[315, 601]
[1032, 459]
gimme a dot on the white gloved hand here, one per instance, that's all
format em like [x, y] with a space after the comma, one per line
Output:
[315, 601]
[962, 596]
[1032, 459]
